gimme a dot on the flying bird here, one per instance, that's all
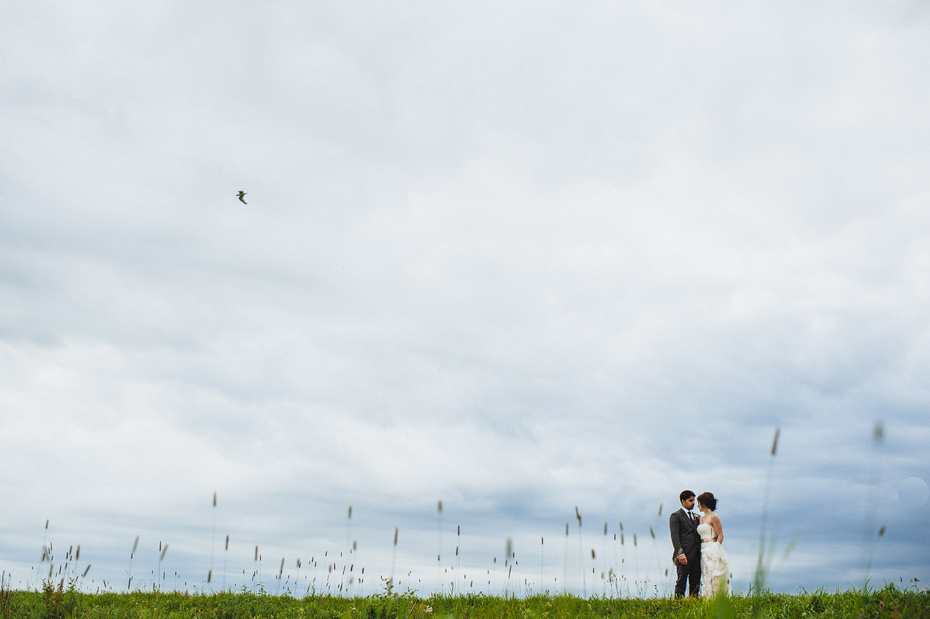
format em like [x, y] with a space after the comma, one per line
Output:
[241, 197]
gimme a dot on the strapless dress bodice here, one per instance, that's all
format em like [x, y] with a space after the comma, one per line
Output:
[706, 532]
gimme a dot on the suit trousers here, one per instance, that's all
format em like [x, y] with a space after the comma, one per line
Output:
[689, 575]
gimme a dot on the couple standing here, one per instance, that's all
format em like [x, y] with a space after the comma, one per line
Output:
[699, 555]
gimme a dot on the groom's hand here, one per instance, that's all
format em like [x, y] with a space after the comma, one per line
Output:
[683, 559]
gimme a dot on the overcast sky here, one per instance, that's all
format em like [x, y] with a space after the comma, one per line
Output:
[516, 257]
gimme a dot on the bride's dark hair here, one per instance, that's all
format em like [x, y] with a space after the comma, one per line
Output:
[707, 499]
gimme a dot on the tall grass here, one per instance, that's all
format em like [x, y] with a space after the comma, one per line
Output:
[871, 533]
[439, 586]
[161, 557]
[763, 563]
[458, 564]
[135, 546]
[584, 583]
[212, 542]
[635, 570]
[393, 558]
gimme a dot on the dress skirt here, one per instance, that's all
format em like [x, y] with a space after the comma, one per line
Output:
[715, 570]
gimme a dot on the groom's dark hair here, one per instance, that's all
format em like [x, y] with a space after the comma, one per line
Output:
[685, 495]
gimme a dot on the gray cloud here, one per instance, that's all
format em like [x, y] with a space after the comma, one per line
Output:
[519, 259]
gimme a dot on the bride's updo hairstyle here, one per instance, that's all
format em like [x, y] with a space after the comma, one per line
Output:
[707, 499]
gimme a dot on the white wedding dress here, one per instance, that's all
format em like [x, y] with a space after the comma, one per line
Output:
[715, 566]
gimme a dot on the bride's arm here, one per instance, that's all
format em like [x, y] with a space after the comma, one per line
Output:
[718, 528]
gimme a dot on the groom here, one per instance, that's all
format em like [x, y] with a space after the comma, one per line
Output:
[687, 544]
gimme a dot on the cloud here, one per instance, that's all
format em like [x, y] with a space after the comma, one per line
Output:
[518, 259]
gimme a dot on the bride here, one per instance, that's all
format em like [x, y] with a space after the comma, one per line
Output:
[715, 567]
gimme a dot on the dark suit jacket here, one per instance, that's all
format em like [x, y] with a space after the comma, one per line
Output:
[685, 538]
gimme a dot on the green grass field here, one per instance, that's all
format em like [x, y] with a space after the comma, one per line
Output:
[59, 603]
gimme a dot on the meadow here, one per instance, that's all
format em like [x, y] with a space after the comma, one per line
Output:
[332, 587]
[59, 603]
